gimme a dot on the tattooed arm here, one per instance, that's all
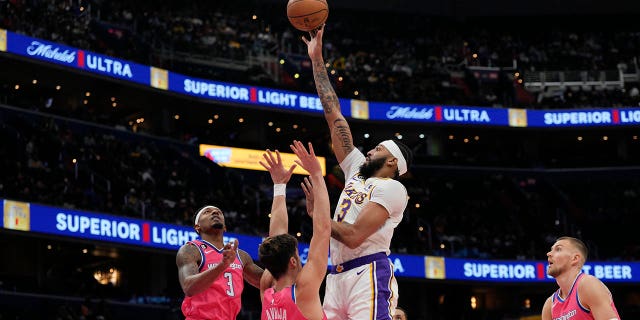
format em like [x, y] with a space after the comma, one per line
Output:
[341, 137]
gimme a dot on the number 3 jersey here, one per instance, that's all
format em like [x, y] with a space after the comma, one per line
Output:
[221, 301]
[357, 193]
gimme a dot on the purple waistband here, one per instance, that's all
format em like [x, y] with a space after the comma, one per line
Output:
[346, 266]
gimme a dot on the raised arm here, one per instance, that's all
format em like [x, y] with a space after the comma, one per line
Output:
[341, 137]
[312, 274]
[279, 222]
[188, 260]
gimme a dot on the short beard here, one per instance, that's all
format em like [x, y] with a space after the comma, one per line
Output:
[367, 170]
[554, 273]
[218, 225]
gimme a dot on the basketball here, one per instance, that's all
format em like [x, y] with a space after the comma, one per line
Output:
[307, 15]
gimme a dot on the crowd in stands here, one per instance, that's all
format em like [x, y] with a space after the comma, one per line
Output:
[381, 56]
[73, 164]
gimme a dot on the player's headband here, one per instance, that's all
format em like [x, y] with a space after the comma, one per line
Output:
[202, 210]
[395, 151]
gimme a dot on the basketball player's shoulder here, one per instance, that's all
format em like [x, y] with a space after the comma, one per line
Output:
[390, 183]
[590, 281]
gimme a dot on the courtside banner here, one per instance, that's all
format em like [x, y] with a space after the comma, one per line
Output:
[41, 49]
[533, 271]
[438, 114]
[76, 58]
[304, 102]
[28, 217]
[582, 118]
[243, 94]
[115, 68]
[405, 265]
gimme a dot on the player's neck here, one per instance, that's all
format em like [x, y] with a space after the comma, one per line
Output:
[215, 238]
[384, 173]
[286, 280]
[566, 280]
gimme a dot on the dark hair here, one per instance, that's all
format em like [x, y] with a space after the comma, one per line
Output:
[406, 316]
[274, 253]
[406, 153]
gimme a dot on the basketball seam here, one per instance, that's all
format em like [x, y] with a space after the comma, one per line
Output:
[308, 14]
[293, 2]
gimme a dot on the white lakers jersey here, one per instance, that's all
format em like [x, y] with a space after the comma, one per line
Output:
[357, 193]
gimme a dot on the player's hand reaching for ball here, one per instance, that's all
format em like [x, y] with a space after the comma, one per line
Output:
[229, 252]
[314, 44]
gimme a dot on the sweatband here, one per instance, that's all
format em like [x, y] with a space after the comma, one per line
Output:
[395, 151]
[202, 210]
[279, 189]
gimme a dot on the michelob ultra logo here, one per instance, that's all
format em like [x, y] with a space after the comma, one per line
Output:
[17, 215]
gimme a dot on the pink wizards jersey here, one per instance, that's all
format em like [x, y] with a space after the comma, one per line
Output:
[221, 301]
[570, 308]
[281, 305]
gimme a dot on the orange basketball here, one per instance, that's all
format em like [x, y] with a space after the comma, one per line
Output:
[307, 15]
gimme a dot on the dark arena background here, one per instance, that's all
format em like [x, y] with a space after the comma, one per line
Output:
[523, 117]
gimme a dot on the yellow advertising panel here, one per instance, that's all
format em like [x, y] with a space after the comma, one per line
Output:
[159, 78]
[3, 40]
[434, 267]
[248, 158]
[360, 109]
[517, 117]
[17, 215]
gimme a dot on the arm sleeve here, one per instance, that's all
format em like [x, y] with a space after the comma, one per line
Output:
[392, 195]
[351, 163]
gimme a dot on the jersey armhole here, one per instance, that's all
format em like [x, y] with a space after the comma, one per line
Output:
[202, 258]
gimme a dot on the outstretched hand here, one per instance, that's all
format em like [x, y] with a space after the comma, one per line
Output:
[306, 159]
[307, 187]
[314, 44]
[276, 168]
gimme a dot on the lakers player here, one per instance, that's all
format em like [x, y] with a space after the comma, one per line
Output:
[361, 284]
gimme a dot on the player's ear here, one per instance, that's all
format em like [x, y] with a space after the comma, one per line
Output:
[392, 161]
[576, 257]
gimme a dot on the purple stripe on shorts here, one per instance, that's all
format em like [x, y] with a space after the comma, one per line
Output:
[383, 274]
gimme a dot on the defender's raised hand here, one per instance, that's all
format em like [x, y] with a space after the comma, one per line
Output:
[307, 187]
[306, 159]
[274, 165]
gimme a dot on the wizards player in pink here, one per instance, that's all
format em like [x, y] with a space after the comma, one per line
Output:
[212, 273]
[288, 290]
[580, 296]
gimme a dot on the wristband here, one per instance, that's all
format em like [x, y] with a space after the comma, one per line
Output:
[279, 189]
